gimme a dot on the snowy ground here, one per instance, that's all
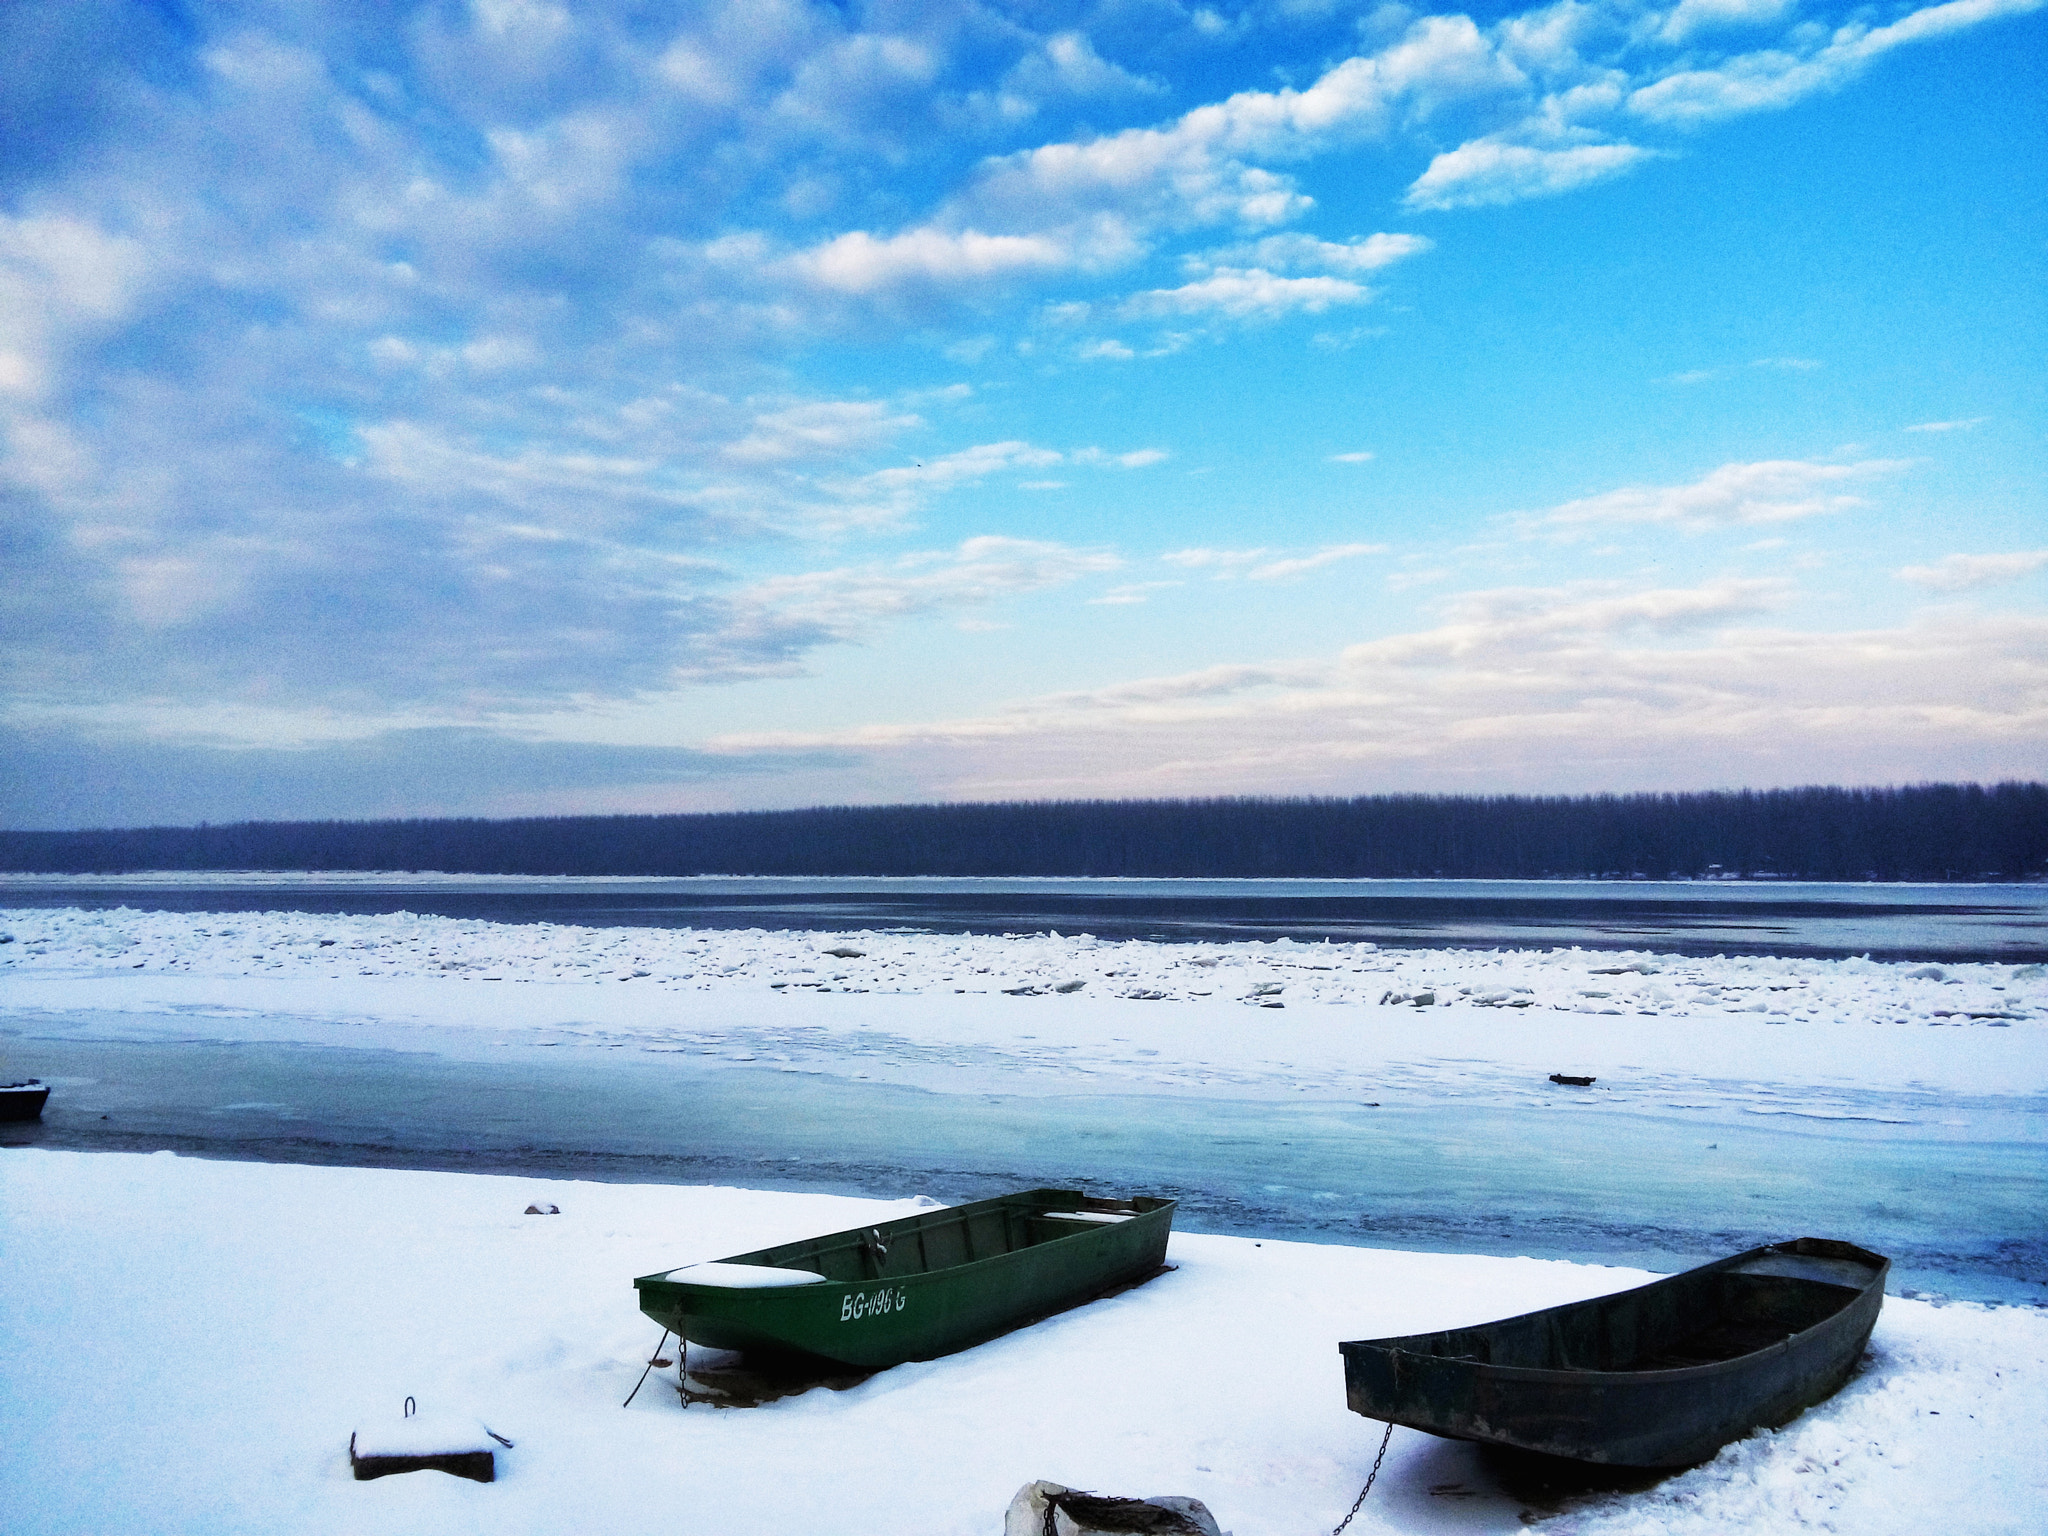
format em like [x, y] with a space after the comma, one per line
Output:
[186, 1346]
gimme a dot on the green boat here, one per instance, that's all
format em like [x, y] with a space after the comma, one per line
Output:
[917, 1287]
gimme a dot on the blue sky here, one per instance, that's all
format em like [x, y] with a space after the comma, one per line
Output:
[511, 407]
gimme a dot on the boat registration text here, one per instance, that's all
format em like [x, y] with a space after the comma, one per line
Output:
[872, 1304]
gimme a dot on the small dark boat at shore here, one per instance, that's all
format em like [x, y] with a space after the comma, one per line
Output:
[1660, 1376]
[23, 1101]
[917, 1287]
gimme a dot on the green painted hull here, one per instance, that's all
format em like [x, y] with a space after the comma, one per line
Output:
[938, 1281]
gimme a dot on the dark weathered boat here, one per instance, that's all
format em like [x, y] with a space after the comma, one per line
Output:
[23, 1101]
[917, 1287]
[1660, 1376]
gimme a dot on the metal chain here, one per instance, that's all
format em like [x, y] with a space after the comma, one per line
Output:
[1375, 1472]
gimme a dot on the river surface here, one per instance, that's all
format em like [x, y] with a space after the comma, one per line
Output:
[1963, 1213]
[1917, 922]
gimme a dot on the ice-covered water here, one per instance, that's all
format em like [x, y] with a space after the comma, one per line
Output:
[1704, 917]
[1959, 1208]
[1344, 1091]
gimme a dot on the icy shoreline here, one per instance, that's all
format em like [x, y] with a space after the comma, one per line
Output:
[1735, 1096]
[187, 1345]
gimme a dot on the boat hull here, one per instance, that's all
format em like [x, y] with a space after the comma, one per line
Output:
[1660, 1376]
[23, 1101]
[937, 1282]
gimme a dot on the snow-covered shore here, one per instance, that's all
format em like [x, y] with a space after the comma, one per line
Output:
[186, 1346]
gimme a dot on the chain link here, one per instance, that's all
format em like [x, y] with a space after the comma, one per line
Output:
[1375, 1472]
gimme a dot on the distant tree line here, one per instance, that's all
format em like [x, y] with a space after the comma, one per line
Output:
[1920, 832]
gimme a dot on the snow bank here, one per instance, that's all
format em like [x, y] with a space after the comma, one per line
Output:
[186, 1346]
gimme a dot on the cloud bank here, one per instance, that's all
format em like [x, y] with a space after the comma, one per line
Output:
[1567, 689]
[450, 363]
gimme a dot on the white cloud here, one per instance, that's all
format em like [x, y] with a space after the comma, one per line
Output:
[63, 279]
[1949, 426]
[849, 87]
[1300, 565]
[1735, 495]
[1707, 375]
[1345, 340]
[1224, 560]
[1066, 64]
[886, 497]
[848, 602]
[1406, 581]
[859, 263]
[819, 429]
[1514, 618]
[1964, 573]
[1569, 691]
[1247, 294]
[1773, 78]
[1295, 252]
[1130, 593]
[1261, 564]
[352, 373]
[1192, 171]
[1136, 458]
[1095, 203]
[1488, 172]
[1361, 457]
[1694, 16]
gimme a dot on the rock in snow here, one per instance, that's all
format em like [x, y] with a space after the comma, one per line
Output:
[1075, 1513]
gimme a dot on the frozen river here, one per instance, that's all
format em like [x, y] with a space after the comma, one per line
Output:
[1693, 917]
[1351, 1092]
[1962, 1207]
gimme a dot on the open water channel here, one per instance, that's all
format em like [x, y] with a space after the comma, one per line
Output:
[1963, 1212]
